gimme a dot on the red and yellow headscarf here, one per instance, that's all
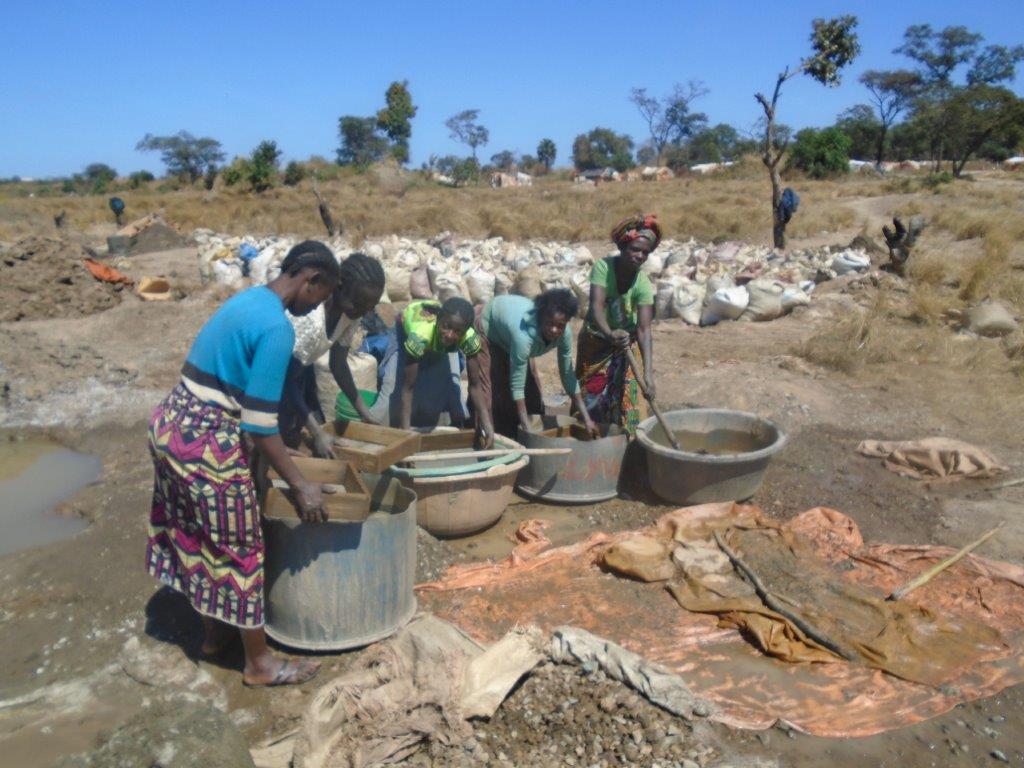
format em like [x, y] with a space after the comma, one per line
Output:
[640, 225]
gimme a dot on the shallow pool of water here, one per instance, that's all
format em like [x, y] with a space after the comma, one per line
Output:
[35, 477]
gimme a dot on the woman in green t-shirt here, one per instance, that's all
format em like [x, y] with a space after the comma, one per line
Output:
[621, 311]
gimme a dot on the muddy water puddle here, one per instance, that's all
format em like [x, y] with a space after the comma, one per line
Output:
[36, 476]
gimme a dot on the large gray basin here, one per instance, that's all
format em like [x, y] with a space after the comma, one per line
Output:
[724, 457]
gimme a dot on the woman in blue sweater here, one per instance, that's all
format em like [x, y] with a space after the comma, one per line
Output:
[204, 527]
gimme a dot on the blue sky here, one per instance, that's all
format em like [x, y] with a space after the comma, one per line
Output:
[82, 82]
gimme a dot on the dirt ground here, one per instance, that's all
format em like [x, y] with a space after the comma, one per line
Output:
[68, 610]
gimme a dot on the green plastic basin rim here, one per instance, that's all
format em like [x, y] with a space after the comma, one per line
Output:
[463, 469]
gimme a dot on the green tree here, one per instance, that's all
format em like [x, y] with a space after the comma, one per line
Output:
[99, 176]
[954, 115]
[464, 128]
[293, 173]
[546, 153]
[981, 114]
[860, 123]
[361, 143]
[263, 166]
[236, 172]
[892, 92]
[602, 148]
[395, 119]
[823, 153]
[834, 45]
[137, 179]
[669, 119]
[183, 154]
[504, 160]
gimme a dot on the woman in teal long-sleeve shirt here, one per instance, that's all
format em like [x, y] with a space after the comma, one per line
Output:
[516, 330]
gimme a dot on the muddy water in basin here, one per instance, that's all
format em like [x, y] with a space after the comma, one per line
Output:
[717, 442]
[34, 478]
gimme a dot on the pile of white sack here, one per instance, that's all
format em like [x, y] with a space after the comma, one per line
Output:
[700, 283]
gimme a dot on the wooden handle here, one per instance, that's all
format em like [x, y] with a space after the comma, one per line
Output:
[442, 456]
[938, 568]
[654, 407]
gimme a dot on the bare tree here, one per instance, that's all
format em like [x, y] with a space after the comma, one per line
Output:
[669, 120]
[834, 44]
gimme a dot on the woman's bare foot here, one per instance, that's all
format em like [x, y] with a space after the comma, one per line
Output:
[218, 636]
[264, 668]
[280, 672]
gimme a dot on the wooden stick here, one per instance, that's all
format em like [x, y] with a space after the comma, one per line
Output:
[1006, 484]
[938, 568]
[775, 603]
[643, 388]
[441, 456]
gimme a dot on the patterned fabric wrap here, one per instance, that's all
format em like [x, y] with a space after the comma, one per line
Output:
[204, 527]
[611, 393]
[640, 225]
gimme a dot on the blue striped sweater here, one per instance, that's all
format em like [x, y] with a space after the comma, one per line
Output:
[240, 358]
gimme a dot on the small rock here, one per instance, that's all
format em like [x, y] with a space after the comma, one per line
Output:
[998, 755]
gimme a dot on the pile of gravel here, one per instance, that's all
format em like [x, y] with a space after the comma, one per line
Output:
[566, 715]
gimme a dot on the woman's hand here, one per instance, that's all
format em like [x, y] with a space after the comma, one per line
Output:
[649, 384]
[364, 413]
[323, 446]
[620, 339]
[485, 438]
[309, 502]
[592, 429]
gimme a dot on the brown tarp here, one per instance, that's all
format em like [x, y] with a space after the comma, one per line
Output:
[933, 457]
[570, 586]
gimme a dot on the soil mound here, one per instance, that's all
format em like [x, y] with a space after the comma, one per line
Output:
[157, 237]
[45, 277]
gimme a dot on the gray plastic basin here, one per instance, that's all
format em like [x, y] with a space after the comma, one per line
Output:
[724, 457]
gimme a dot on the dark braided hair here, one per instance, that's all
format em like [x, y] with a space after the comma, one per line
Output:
[560, 300]
[457, 306]
[311, 254]
[362, 271]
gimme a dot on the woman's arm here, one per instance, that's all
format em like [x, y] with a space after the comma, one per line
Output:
[645, 314]
[306, 496]
[476, 395]
[343, 377]
[567, 374]
[598, 297]
[412, 372]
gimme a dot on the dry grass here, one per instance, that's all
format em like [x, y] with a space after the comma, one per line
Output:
[733, 205]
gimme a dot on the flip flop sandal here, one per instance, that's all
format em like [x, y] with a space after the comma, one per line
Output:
[285, 676]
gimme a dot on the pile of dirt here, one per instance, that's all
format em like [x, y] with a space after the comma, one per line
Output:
[567, 715]
[45, 277]
[157, 237]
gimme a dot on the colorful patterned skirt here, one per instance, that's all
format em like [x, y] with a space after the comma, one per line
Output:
[610, 391]
[204, 528]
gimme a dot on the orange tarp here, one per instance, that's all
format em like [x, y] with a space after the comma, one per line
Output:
[567, 585]
[105, 273]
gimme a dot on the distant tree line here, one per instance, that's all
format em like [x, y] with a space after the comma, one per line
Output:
[949, 104]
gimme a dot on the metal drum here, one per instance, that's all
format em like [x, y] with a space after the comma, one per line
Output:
[589, 474]
[337, 585]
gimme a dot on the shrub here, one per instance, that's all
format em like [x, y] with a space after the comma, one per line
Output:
[139, 178]
[294, 173]
[823, 153]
